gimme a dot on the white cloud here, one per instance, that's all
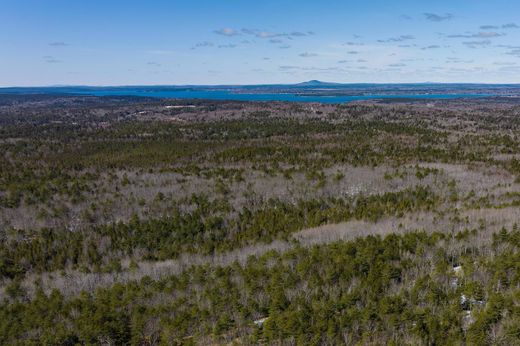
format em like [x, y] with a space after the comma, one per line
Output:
[226, 32]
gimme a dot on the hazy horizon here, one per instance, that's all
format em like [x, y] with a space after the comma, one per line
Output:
[245, 85]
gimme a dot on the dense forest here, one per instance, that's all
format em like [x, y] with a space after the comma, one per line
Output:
[135, 221]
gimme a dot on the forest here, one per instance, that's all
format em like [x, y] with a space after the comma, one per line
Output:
[140, 221]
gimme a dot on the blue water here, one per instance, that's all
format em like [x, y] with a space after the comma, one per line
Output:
[230, 95]
[292, 93]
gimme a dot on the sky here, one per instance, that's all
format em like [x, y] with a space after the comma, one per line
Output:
[113, 42]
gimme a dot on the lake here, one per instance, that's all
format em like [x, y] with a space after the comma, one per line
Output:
[274, 93]
[230, 95]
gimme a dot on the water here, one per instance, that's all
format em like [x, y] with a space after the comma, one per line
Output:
[230, 95]
[245, 93]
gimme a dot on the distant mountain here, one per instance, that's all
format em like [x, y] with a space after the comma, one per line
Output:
[316, 83]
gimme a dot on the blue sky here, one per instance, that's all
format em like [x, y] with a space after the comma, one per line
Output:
[116, 42]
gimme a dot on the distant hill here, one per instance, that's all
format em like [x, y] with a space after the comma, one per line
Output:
[316, 83]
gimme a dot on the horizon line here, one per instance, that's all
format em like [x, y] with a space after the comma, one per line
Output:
[324, 83]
